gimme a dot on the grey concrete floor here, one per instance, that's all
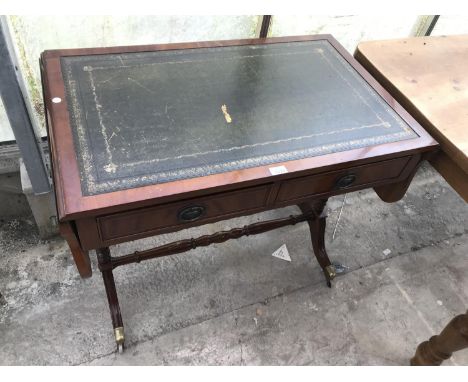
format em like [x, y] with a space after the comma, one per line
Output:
[235, 304]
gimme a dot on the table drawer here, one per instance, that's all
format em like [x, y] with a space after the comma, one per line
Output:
[342, 179]
[144, 222]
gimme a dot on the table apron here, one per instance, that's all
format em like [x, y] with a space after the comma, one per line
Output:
[105, 230]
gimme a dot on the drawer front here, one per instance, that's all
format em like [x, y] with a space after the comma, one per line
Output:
[198, 210]
[340, 180]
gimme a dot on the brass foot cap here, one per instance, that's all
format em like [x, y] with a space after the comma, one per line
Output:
[119, 335]
[330, 271]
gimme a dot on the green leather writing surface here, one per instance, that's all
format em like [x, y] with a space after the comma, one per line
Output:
[154, 117]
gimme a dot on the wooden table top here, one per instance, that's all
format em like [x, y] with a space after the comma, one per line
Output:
[429, 77]
[136, 126]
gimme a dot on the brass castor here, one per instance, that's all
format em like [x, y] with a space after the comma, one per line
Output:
[119, 339]
[330, 274]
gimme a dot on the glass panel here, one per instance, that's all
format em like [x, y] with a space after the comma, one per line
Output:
[6, 134]
[348, 30]
[34, 34]
[450, 25]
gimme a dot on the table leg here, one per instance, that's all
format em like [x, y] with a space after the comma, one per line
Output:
[439, 348]
[317, 233]
[105, 266]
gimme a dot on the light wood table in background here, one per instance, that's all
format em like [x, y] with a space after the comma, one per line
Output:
[429, 77]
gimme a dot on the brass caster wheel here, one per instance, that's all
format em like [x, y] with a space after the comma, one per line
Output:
[119, 339]
[330, 271]
[330, 274]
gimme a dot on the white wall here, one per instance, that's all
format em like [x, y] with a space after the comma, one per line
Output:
[451, 25]
[6, 134]
[348, 30]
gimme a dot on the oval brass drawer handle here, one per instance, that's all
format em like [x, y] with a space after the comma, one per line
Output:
[346, 181]
[189, 214]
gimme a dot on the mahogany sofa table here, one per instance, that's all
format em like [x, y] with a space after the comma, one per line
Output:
[153, 139]
[429, 77]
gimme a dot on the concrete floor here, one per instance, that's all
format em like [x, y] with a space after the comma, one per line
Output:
[235, 304]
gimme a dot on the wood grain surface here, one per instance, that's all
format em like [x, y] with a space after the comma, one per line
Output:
[429, 77]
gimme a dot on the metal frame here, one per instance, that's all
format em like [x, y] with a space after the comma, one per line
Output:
[432, 24]
[13, 93]
[265, 26]
[425, 25]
